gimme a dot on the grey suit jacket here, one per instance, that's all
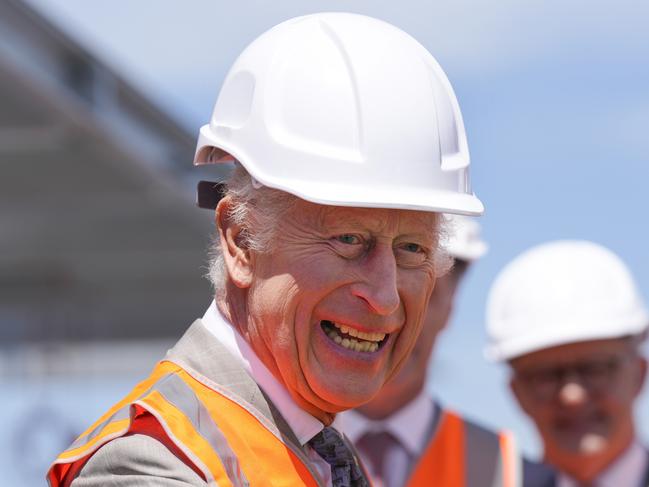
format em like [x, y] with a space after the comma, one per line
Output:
[140, 460]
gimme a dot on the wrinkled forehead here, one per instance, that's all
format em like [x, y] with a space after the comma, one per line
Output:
[378, 221]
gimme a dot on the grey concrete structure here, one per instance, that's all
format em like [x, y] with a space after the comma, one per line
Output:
[98, 228]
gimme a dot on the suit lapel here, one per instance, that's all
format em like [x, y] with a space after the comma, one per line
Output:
[208, 361]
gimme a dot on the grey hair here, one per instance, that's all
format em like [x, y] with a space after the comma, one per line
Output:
[258, 209]
[444, 261]
[252, 208]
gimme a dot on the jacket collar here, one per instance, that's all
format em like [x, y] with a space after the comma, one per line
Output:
[207, 360]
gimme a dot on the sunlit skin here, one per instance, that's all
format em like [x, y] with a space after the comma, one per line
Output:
[583, 430]
[410, 380]
[370, 269]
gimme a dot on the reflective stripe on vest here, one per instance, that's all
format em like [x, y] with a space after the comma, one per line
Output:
[461, 454]
[214, 434]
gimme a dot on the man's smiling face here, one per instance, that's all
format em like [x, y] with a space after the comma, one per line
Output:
[337, 304]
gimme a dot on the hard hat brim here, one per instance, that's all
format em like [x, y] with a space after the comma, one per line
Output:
[384, 196]
[209, 193]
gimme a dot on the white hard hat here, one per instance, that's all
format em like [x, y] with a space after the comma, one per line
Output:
[462, 240]
[558, 293]
[343, 109]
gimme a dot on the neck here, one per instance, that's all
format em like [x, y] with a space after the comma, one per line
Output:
[323, 416]
[388, 401]
[232, 305]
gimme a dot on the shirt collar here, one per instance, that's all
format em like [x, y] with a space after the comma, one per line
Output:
[405, 424]
[628, 469]
[302, 423]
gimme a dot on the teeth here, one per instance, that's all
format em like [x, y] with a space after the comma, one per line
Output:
[371, 337]
[353, 344]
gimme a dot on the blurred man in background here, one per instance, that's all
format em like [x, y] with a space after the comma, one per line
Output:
[569, 320]
[404, 436]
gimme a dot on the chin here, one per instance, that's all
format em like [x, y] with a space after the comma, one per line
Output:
[346, 398]
[584, 445]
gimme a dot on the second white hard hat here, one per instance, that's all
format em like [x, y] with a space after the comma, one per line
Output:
[558, 293]
[343, 109]
[463, 240]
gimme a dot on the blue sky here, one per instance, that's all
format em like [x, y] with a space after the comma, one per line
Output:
[555, 97]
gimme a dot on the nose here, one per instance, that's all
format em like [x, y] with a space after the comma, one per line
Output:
[573, 393]
[377, 285]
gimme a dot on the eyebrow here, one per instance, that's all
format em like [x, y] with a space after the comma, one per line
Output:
[329, 220]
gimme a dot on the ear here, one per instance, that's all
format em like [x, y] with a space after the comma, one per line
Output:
[236, 256]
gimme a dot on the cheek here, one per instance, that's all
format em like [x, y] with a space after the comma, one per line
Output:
[425, 341]
[617, 402]
[438, 312]
[318, 264]
[408, 340]
[538, 411]
[415, 289]
[282, 345]
[299, 283]
[274, 316]
[542, 417]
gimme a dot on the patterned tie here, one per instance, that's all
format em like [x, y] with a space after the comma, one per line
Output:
[345, 471]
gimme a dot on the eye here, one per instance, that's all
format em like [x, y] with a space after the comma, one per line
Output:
[412, 247]
[349, 239]
[410, 254]
[349, 245]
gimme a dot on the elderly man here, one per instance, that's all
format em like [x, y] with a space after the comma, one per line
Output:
[405, 437]
[568, 319]
[348, 141]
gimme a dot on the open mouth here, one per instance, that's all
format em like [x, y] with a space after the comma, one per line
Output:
[353, 339]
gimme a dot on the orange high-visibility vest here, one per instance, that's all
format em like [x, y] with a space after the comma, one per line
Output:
[462, 454]
[216, 436]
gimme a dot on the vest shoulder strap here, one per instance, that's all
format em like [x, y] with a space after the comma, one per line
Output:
[213, 435]
[463, 454]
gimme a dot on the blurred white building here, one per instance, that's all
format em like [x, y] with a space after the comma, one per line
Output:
[102, 250]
